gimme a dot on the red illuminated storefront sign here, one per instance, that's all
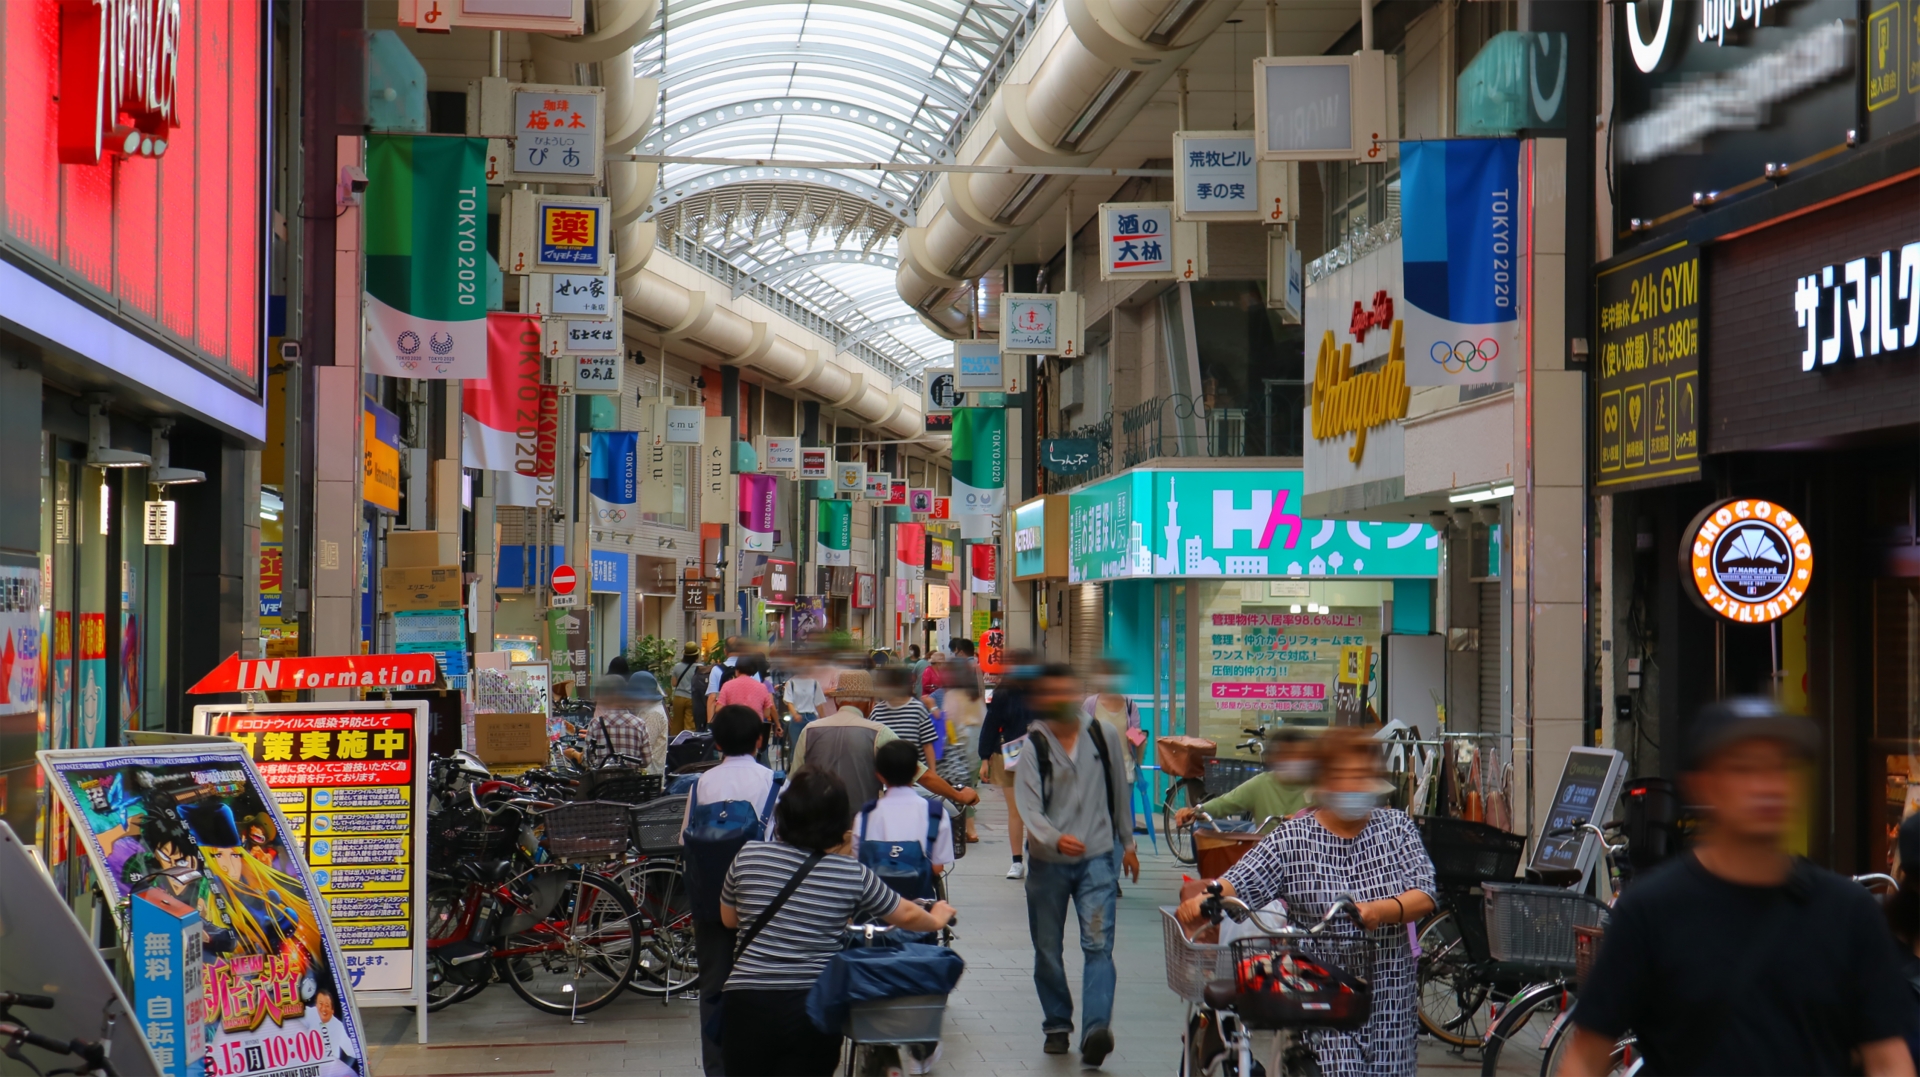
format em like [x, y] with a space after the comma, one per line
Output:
[169, 238]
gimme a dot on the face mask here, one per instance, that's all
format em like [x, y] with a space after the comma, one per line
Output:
[1294, 771]
[1351, 807]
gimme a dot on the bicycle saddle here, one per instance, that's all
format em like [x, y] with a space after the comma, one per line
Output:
[483, 871]
[1221, 994]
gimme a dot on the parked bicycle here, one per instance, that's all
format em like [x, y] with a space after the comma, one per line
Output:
[16, 1035]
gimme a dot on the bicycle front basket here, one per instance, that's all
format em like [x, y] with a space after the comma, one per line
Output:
[656, 825]
[586, 830]
[1310, 983]
[1534, 925]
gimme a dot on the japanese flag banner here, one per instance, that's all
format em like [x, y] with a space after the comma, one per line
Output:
[426, 244]
[506, 410]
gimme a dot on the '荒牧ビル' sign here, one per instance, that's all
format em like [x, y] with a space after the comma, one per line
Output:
[1348, 403]
[1748, 560]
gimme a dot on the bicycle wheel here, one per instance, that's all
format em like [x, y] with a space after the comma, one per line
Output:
[1453, 1001]
[1626, 1053]
[580, 953]
[446, 905]
[1184, 793]
[668, 963]
[1519, 1041]
[443, 991]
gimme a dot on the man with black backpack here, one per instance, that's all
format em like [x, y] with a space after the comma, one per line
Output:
[730, 805]
[1071, 788]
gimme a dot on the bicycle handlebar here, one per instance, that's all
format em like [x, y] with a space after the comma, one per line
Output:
[1219, 904]
[93, 1054]
[21, 998]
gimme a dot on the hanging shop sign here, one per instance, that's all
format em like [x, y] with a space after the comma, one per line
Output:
[1040, 324]
[1136, 241]
[562, 18]
[1325, 108]
[1747, 561]
[980, 367]
[598, 375]
[1461, 253]
[202, 827]
[833, 537]
[919, 502]
[979, 461]
[864, 587]
[897, 494]
[716, 452]
[1859, 308]
[590, 295]
[816, 463]
[759, 512]
[850, 477]
[556, 134]
[380, 457]
[1647, 401]
[879, 486]
[942, 509]
[685, 425]
[780, 454]
[939, 601]
[1217, 176]
[555, 233]
[780, 580]
[585, 336]
[425, 218]
[1068, 456]
[351, 780]
[940, 394]
[940, 554]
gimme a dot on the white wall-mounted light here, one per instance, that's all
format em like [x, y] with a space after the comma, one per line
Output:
[99, 434]
[1487, 493]
[162, 474]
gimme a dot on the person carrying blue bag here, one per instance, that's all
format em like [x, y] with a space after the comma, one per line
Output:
[904, 837]
[729, 806]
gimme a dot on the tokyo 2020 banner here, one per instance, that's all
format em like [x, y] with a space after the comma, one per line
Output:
[1462, 228]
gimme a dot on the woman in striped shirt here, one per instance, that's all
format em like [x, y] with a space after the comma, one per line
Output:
[764, 1027]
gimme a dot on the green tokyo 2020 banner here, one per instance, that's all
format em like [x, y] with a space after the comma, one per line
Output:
[979, 461]
[835, 532]
[426, 244]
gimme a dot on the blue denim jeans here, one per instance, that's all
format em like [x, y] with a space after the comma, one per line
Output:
[1094, 887]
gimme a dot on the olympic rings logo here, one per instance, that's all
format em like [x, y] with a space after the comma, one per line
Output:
[1465, 356]
[615, 515]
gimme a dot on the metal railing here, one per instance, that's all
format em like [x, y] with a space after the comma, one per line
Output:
[1181, 425]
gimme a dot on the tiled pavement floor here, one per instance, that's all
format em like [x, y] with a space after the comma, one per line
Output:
[993, 1017]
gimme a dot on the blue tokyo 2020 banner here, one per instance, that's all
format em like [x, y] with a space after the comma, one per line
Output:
[1461, 233]
[615, 475]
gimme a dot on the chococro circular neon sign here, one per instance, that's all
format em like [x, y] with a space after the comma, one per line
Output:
[1748, 560]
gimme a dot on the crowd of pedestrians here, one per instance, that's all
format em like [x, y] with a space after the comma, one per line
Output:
[844, 791]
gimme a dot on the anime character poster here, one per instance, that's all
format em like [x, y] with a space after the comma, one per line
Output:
[188, 821]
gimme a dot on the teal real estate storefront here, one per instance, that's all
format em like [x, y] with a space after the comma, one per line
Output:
[1231, 610]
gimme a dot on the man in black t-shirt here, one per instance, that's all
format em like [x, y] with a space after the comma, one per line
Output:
[1733, 957]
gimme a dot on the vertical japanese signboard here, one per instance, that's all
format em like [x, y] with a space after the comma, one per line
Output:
[198, 826]
[1647, 369]
[351, 781]
[167, 956]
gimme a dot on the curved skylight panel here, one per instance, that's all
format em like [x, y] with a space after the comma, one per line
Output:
[827, 80]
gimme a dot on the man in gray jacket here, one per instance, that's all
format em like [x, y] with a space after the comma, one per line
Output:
[1071, 788]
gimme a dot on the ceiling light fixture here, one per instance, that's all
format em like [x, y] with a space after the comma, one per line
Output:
[1485, 493]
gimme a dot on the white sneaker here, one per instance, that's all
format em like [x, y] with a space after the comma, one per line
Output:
[1018, 870]
[918, 1065]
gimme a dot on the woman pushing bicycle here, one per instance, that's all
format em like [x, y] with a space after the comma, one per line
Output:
[1349, 844]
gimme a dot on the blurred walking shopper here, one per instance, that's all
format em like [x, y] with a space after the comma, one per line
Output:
[682, 676]
[1279, 792]
[791, 900]
[616, 736]
[650, 709]
[1072, 792]
[1351, 844]
[1006, 721]
[1736, 957]
[745, 688]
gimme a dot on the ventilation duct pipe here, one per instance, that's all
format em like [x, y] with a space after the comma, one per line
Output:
[1112, 58]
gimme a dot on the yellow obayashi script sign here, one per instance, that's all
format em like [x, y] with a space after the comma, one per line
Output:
[1349, 403]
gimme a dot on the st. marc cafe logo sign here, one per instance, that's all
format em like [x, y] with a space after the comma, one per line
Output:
[1747, 560]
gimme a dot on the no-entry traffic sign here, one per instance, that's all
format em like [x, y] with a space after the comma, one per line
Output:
[563, 579]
